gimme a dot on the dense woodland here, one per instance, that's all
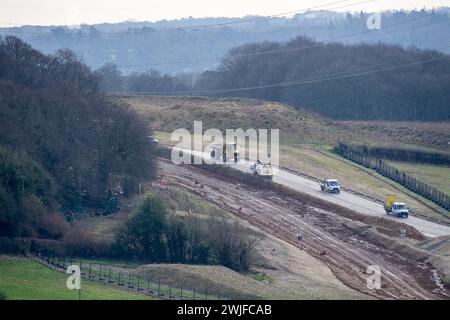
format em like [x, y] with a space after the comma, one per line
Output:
[340, 79]
[415, 92]
[64, 147]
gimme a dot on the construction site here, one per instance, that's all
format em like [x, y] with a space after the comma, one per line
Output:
[227, 156]
[345, 241]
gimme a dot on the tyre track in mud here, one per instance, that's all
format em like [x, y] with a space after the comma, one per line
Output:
[332, 239]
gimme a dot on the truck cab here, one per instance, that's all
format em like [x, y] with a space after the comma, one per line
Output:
[262, 169]
[400, 210]
[330, 185]
[394, 207]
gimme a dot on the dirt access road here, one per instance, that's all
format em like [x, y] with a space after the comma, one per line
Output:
[344, 199]
[347, 247]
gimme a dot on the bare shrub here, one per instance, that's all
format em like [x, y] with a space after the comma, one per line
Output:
[78, 242]
[231, 244]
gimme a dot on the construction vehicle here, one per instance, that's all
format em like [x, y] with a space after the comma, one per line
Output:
[394, 207]
[330, 185]
[225, 152]
[262, 169]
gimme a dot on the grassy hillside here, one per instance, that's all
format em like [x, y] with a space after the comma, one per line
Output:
[25, 279]
[296, 125]
[423, 135]
[280, 270]
[305, 137]
[170, 113]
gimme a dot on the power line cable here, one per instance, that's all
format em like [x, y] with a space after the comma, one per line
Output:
[287, 84]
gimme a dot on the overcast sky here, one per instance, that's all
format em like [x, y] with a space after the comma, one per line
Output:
[64, 12]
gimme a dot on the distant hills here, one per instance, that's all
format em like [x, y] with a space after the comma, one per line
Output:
[178, 46]
[341, 82]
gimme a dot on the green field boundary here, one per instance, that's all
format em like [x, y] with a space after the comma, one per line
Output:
[414, 185]
[128, 280]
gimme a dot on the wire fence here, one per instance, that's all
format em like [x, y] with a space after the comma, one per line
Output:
[365, 161]
[409, 182]
[363, 195]
[129, 280]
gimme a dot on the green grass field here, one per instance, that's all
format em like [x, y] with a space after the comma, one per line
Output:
[26, 279]
[437, 176]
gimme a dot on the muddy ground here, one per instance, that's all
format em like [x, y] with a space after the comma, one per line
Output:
[346, 246]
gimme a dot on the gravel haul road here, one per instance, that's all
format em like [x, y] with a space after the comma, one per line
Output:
[344, 199]
[348, 247]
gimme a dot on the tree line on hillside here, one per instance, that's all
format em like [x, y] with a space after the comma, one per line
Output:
[167, 44]
[339, 81]
[64, 146]
[113, 80]
[155, 234]
[415, 92]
